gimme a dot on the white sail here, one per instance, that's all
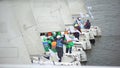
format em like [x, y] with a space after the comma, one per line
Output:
[12, 44]
[47, 15]
[77, 7]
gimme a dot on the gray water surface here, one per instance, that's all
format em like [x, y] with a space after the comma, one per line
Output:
[105, 52]
[106, 15]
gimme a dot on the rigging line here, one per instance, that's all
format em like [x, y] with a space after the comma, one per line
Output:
[32, 14]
